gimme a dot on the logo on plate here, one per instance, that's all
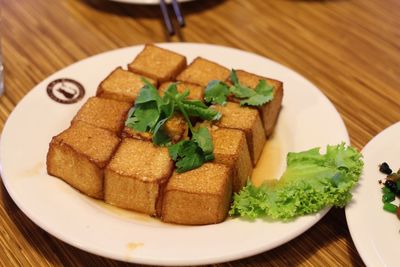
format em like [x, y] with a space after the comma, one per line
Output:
[65, 91]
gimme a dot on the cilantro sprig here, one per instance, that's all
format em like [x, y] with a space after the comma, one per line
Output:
[217, 92]
[151, 112]
[190, 154]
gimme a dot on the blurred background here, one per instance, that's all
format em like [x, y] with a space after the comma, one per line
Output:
[350, 49]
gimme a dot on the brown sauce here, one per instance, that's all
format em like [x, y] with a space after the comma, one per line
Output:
[269, 166]
[123, 213]
[34, 170]
[132, 245]
[130, 248]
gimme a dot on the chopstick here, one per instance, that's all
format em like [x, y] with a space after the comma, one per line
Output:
[178, 13]
[167, 20]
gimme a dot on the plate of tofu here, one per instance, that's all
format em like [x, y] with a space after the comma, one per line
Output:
[85, 177]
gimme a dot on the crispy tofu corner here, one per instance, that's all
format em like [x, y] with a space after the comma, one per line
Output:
[122, 85]
[158, 63]
[201, 71]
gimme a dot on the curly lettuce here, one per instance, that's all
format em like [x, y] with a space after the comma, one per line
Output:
[311, 182]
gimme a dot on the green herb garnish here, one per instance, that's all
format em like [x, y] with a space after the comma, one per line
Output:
[196, 108]
[190, 154]
[187, 155]
[262, 94]
[145, 114]
[217, 92]
[151, 112]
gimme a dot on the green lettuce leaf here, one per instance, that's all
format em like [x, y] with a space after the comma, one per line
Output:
[311, 182]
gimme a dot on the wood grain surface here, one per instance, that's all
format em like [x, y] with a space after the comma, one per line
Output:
[350, 49]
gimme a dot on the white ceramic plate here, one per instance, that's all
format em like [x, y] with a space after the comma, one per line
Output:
[147, 2]
[307, 120]
[375, 232]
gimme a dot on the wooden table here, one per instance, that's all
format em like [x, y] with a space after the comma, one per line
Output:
[349, 49]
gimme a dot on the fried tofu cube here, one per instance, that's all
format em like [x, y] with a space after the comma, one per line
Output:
[79, 155]
[175, 127]
[270, 111]
[158, 63]
[201, 71]
[246, 119]
[199, 196]
[104, 113]
[196, 92]
[230, 148]
[136, 174]
[122, 85]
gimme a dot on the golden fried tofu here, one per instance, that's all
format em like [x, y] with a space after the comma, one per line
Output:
[79, 155]
[246, 119]
[230, 148]
[158, 63]
[199, 196]
[122, 85]
[136, 174]
[175, 127]
[201, 71]
[196, 92]
[103, 113]
[270, 111]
